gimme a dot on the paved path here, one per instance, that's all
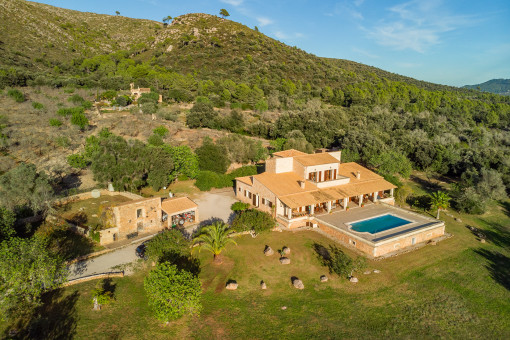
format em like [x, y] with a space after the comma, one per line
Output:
[211, 206]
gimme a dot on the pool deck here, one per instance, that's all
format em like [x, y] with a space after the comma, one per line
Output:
[340, 220]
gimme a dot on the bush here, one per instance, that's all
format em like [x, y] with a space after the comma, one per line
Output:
[239, 206]
[469, 201]
[69, 111]
[37, 106]
[101, 293]
[17, 95]
[155, 140]
[148, 98]
[252, 219]
[123, 100]
[77, 161]
[160, 131]
[55, 122]
[76, 99]
[202, 115]
[108, 95]
[149, 108]
[212, 157]
[337, 261]
[173, 293]
[80, 120]
[168, 246]
[207, 180]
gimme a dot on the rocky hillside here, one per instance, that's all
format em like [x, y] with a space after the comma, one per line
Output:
[497, 86]
[38, 37]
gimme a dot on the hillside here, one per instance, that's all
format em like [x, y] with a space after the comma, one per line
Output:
[497, 86]
[36, 38]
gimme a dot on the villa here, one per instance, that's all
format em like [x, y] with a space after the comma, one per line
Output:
[344, 200]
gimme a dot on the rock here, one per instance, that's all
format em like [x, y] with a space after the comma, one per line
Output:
[353, 279]
[482, 240]
[458, 219]
[284, 260]
[94, 215]
[263, 285]
[231, 285]
[286, 250]
[377, 271]
[432, 243]
[298, 284]
[367, 272]
[284, 307]
[324, 278]
[110, 185]
[268, 251]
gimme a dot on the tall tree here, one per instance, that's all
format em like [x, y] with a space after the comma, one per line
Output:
[214, 238]
[173, 293]
[117, 12]
[28, 269]
[167, 19]
[224, 13]
[440, 200]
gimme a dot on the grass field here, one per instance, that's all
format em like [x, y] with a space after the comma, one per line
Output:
[459, 288]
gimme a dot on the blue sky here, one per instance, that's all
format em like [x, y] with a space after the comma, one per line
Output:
[453, 42]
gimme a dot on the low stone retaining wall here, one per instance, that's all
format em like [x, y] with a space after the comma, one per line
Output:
[104, 192]
[93, 277]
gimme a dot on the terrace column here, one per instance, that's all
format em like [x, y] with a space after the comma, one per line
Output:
[312, 209]
[329, 206]
[375, 197]
[360, 200]
[391, 192]
[346, 201]
[289, 213]
[257, 200]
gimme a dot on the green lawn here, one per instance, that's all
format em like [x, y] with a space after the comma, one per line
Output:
[459, 288]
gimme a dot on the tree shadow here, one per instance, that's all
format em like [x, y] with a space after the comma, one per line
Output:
[109, 285]
[183, 262]
[323, 254]
[56, 318]
[497, 234]
[506, 207]
[426, 185]
[69, 243]
[498, 266]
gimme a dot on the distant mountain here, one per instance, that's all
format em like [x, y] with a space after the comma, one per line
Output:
[497, 86]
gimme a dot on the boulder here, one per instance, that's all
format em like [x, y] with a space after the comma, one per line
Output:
[458, 219]
[298, 284]
[95, 193]
[286, 250]
[263, 285]
[377, 271]
[284, 260]
[482, 240]
[353, 279]
[367, 272]
[284, 307]
[231, 285]
[324, 278]
[268, 251]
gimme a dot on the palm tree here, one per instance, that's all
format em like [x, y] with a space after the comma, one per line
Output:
[214, 238]
[440, 201]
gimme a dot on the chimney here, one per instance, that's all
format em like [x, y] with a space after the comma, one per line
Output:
[358, 175]
[302, 184]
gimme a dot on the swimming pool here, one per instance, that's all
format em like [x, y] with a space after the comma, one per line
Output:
[378, 224]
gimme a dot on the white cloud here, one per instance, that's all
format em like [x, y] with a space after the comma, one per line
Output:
[348, 8]
[365, 53]
[358, 3]
[417, 25]
[234, 3]
[264, 21]
[282, 35]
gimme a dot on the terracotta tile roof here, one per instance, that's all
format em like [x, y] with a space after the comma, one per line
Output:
[177, 204]
[307, 198]
[246, 179]
[350, 170]
[289, 153]
[316, 159]
[285, 183]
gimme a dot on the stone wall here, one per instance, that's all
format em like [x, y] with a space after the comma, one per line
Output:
[104, 192]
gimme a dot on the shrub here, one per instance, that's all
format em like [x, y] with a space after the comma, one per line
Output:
[168, 246]
[77, 161]
[207, 180]
[69, 111]
[108, 95]
[17, 95]
[76, 99]
[80, 120]
[173, 293]
[101, 294]
[202, 115]
[62, 141]
[149, 98]
[337, 261]
[239, 206]
[160, 131]
[37, 106]
[55, 122]
[252, 219]
[155, 140]
[123, 100]
[149, 108]
[212, 157]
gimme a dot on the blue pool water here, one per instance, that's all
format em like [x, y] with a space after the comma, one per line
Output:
[378, 224]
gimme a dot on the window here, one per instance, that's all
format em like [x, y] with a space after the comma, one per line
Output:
[413, 241]
[239, 189]
[312, 176]
[138, 213]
